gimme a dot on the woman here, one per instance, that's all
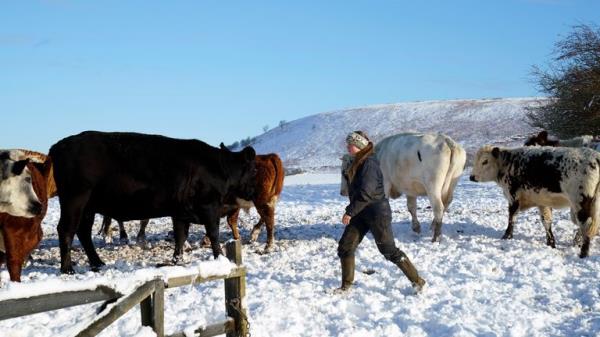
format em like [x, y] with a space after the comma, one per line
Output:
[369, 210]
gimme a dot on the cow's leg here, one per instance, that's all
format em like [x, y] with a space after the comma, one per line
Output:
[84, 234]
[212, 231]
[585, 220]
[70, 216]
[411, 204]
[105, 229]
[232, 221]
[267, 215]
[546, 215]
[123, 238]
[15, 254]
[141, 237]
[438, 213]
[180, 233]
[578, 239]
[512, 211]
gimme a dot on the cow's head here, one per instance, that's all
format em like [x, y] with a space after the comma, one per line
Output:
[346, 163]
[486, 164]
[242, 172]
[541, 139]
[17, 196]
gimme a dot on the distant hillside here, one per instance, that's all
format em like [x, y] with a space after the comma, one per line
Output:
[316, 142]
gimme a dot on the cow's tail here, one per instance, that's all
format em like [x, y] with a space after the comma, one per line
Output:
[277, 185]
[458, 158]
[592, 226]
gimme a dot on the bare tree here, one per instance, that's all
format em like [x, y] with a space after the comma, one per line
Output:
[572, 80]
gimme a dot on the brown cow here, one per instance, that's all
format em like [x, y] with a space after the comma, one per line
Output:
[269, 183]
[18, 235]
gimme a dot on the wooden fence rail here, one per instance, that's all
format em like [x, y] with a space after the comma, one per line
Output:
[150, 297]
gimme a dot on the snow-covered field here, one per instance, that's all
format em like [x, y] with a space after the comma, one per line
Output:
[478, 285]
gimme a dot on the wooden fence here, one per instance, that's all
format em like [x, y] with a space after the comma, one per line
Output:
[150, 297]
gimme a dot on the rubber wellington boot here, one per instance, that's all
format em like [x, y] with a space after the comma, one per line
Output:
[347, 273]
[411, 273]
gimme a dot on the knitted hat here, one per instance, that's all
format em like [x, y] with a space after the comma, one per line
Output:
[358, 139]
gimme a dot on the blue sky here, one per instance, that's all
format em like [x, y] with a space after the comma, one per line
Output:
[221, 70]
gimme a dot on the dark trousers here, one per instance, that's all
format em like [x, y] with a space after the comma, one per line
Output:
[376, 218]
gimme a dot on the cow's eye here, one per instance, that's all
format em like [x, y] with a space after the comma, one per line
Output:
[28, 180]
[484, 162]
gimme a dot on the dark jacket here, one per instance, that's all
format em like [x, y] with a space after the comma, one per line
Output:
[367, 187]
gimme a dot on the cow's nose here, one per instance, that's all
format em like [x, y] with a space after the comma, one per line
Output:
[472, 178]
[35, 208]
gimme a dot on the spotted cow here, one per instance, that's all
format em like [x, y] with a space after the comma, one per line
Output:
[541, 139]
[545, 177]
[418, 164]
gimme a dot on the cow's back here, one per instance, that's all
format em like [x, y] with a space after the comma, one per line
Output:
[126, 172]
[408, 159]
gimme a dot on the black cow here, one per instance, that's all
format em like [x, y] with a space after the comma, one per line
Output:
[130, 176]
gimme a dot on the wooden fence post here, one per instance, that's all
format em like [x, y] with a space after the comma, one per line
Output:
[158, 301]
[235, 292]
[152, 309]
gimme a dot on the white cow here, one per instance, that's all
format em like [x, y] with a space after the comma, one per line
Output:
[17, 196]
[417, 164]
[545, 177]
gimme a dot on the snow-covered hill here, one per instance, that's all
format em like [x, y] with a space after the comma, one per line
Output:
[316, 142]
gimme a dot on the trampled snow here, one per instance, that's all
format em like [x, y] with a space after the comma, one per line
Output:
[477, 284]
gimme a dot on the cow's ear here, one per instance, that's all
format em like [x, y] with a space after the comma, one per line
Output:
[496, 152]
[543, 135]
[19, 166]
[223, 147]
[41, 167]
[249, 153]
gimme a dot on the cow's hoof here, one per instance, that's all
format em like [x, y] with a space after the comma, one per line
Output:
[551, 243]
[267, 250]
[124, 241]
[69, 270]
[143, 244]
[205, 243]
[416, 228]
[96, 269]
[97, 265]
[436, 238]
[507, 236]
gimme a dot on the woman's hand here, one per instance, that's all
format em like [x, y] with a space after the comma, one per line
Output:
[346, 219]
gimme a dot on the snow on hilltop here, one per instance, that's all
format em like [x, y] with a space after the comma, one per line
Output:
[316, 142]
